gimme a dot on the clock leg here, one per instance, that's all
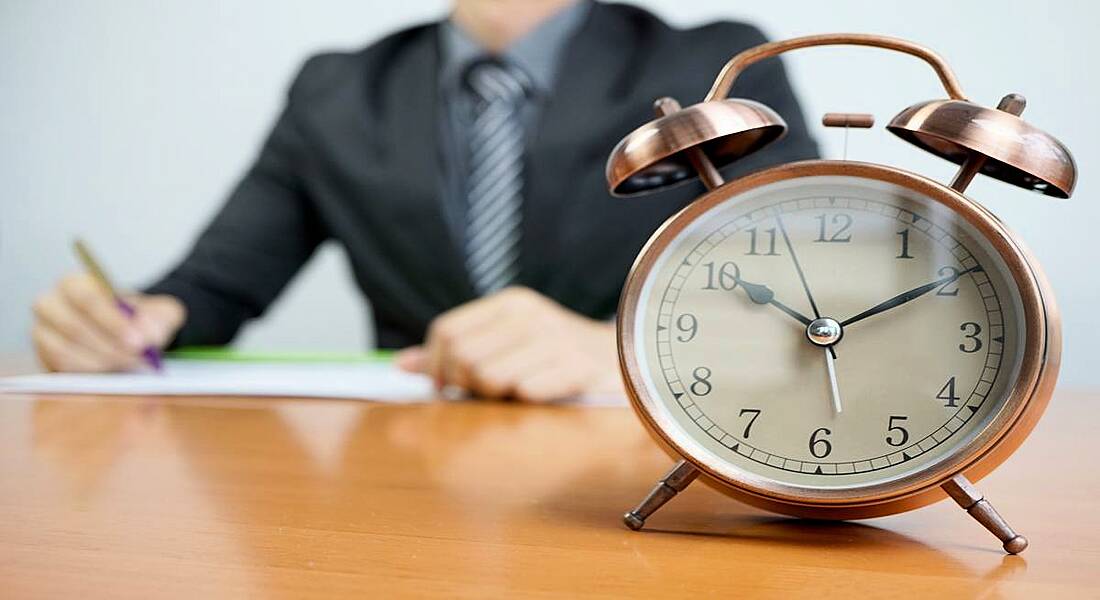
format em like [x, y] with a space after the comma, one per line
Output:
[677, 479]
[971, 500]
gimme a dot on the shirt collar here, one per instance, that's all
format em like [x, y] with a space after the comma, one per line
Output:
[536, 53]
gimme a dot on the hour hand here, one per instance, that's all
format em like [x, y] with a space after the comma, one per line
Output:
[762, 294]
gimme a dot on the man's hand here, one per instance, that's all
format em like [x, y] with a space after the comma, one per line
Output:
[518, 343]
[78, 326]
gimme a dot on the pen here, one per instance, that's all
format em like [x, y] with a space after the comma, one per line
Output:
[151, 354]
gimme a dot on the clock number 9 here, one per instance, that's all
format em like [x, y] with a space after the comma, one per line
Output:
[688, 326]
[701, 386]
[971, 331]
[820, 447]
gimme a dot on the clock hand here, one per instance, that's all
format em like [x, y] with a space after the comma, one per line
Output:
[801, 276]
[797, 265]
[833, 387]
[762, 294]
[904, 297]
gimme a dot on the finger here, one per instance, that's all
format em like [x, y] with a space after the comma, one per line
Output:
[448, 329]
[53, 313]
[101, 309]
[412, 359]
[551, 384]
[499, 377]
[487, 345]
[157, 317]
[472, 318]
[58, 354]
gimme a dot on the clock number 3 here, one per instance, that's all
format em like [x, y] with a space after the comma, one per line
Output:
[971, 331]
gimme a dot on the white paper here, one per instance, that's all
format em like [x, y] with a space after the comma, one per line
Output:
[363, 380]
[379, 381]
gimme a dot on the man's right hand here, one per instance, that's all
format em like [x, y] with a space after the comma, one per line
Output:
[79, 327]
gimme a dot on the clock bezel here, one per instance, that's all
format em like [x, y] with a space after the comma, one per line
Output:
[1030, 392]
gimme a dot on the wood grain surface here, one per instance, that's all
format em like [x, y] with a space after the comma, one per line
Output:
[107, 497]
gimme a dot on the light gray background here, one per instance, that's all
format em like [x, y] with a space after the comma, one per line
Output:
[127, 121]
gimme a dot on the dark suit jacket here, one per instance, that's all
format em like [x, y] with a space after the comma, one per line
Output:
[354, 158]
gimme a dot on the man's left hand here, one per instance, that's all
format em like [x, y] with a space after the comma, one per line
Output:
[517, 343]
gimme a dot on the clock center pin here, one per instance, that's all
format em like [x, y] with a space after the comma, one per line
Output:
[824, 331]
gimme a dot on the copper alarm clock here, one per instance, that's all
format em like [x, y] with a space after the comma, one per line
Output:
[835, 339]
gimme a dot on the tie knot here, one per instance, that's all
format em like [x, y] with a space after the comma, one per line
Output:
[492, 80]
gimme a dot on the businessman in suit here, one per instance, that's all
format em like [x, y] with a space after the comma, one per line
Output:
[460, 166]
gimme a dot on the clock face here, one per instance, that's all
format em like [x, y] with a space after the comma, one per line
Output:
[827, 332]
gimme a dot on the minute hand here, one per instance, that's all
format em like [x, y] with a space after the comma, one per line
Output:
[904, 297]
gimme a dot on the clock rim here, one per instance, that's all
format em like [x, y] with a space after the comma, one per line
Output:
[1029, 396]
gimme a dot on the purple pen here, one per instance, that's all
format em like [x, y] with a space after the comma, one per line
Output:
[150, 353]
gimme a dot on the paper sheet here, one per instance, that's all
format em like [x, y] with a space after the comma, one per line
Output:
[379, 381]
[364, 380]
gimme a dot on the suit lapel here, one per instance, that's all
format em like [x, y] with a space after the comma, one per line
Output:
[584, 91]
[410, 116]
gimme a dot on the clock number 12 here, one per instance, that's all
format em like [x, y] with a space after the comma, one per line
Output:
[842, 221]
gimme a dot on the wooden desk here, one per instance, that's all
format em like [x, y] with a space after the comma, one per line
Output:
[203, 498]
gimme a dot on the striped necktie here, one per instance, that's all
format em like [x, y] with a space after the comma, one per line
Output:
[494, 182]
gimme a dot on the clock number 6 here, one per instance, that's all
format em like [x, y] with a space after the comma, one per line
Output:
[902, 432]
[820, 447]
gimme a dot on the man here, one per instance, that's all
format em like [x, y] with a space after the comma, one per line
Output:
[460, 165]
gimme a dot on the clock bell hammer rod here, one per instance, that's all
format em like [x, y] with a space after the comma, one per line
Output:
[708, 173]
[1012, 104]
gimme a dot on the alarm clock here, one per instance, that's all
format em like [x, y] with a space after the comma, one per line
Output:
[833, 339]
